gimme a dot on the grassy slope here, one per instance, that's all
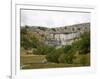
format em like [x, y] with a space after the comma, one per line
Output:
[35, 62]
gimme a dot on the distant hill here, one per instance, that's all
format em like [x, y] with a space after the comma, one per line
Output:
[63, 29]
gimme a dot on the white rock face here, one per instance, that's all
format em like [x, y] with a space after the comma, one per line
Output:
[66, 35]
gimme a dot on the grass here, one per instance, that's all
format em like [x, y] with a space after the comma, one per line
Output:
[31, 61]
[83, 59]
[24, 59]
[35, 62]
[49, 65]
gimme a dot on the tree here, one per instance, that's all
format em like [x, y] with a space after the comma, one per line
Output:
[66, 48]
[62, 58]
[54, 55]
[29, 40]
[85, 43]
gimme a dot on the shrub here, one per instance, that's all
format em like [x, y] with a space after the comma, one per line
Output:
[66, 48]
[54, 55]
[84, 46]
[62, 58]
[43, 49]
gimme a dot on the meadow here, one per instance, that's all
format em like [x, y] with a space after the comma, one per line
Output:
[36, 62]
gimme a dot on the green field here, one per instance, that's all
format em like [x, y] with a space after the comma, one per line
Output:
[36, 62]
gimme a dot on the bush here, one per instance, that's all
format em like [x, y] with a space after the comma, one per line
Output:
[44, 49]
[28, 40]
[84, 46]
[54, 55]
[67, 55]
[62, 58]
[66, 48]
[69, 58]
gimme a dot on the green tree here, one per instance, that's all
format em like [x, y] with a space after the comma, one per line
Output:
[62, 58]
[54, 55]
[28, 39]
[85, 43]
[66, 48]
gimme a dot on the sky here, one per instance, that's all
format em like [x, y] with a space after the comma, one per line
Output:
[52, 18]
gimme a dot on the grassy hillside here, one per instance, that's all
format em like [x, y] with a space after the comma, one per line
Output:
[36, 61]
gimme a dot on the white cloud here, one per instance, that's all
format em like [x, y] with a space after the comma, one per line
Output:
[52, 18]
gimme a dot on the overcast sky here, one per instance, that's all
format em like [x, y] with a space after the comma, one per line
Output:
[52, 18]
